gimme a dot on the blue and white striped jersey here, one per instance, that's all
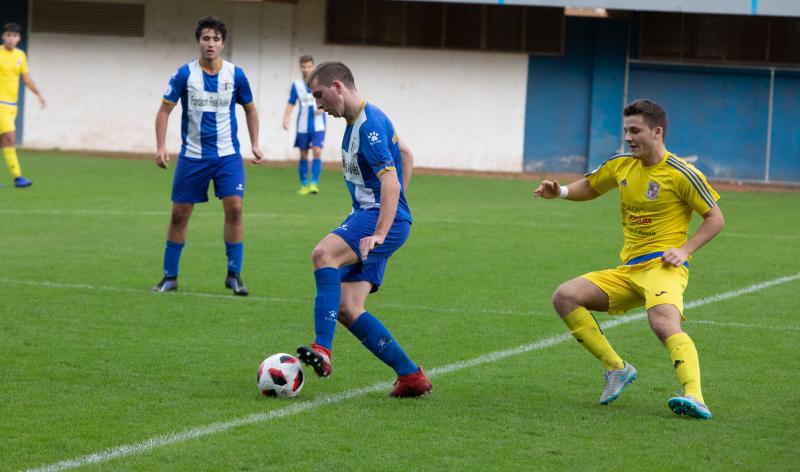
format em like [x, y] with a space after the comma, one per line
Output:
[208, 122]
[370, 147]
[307, 120]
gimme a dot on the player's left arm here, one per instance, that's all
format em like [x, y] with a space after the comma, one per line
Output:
[713, 222]
[26, 77]
[251, 116]
[407, 158]
[390, 196]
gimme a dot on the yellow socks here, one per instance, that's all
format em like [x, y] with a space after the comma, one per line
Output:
[686, 363]
[584, 327]
[10, 155]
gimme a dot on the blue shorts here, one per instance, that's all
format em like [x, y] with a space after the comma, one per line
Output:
[361, 224]
[307, 140]
[190, 184]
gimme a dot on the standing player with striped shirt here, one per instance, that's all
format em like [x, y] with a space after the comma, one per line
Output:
[209, 89]
[310, 128]
[658, 193]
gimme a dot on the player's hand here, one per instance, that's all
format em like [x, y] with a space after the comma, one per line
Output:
[548, 189]
[286, 123]
[162, 158]
[258, 156]
[367, 244]
[42, 103]
[675, 256]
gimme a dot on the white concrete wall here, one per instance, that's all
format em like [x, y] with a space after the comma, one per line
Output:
[459, 110]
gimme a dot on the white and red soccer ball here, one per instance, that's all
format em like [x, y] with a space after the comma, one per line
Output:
[280, 375]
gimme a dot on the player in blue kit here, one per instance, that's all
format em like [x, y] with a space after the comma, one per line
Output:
[209, 89]
[310, 128]
[350, 261]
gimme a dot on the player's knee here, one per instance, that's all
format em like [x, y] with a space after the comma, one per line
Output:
[565, 298]
[347, 314]
[233, 212]
[180, 216]
[319, 256]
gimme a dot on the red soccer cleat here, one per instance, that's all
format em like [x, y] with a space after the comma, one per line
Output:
[317, 357]
[412, 385]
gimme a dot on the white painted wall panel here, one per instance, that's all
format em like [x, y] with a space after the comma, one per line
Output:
[459, 110]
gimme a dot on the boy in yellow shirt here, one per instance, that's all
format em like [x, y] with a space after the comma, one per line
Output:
[658, 194]
[13, 64]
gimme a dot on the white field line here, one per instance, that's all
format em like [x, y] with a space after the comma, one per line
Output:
[216, 296]
[451, 221]
[744, 325]
[299, 407]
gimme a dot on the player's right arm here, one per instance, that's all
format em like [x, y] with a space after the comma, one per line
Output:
[287, 113]
[162, 118]
[407, 159]
[580, 190]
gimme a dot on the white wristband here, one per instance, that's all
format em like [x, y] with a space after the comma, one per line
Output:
[564, 192]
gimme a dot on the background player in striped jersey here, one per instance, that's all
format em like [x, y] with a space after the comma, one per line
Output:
[209, 89]
[13, 65]
[310, 128]
[658, 192]
[350, 261]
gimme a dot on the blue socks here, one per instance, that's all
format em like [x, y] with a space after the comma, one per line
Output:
[235, 252]
[302, 170]
[172, 257]
[375, 337]
[326, 304]
[316, 170]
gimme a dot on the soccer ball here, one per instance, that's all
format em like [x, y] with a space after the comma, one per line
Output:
[280, 375]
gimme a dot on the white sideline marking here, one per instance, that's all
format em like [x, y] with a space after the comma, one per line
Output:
[296, 408]
[308, 301]
[743, 325]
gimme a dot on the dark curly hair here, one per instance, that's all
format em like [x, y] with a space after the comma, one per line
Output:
[211, 22]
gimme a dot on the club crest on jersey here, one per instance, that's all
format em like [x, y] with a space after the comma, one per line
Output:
[624, 183]
[652, 190]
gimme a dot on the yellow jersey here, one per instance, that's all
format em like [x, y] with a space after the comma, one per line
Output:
[12, 65]
[656, 202]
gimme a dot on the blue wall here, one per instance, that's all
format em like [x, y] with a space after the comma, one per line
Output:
[718, 116]
[785, 155]
[573, 101]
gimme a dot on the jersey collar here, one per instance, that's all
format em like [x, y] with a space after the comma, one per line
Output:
[360, 111]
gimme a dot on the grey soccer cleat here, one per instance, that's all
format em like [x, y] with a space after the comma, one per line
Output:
[616, 381]
[167, 284]
[689, 406]
[234, 282]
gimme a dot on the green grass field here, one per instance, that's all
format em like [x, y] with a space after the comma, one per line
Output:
[92, 362]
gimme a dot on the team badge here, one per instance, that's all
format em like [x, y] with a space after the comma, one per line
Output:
[624, 183]
[652, 190]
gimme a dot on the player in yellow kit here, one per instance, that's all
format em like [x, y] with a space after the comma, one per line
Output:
[13, 64]
[658, 193]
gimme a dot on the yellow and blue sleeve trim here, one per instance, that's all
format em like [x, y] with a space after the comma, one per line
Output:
[385, 170]
[697, 182]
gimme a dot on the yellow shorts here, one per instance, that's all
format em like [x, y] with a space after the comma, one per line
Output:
[649, 283]
[8, 118]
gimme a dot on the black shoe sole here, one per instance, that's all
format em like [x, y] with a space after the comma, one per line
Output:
[312, 359]
[242, 292]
